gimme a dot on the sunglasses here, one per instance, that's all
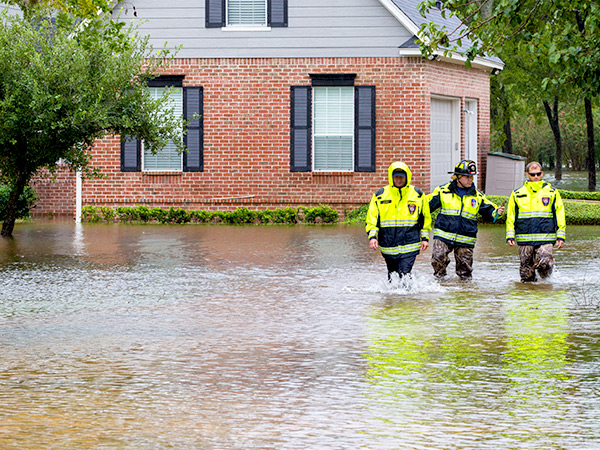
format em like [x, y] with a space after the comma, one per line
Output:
[535, 174]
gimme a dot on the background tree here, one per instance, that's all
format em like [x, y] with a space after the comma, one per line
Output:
[78, 8]
[573, 50]
[66, 83]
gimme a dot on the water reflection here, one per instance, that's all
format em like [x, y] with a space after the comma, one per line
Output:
[201, 337]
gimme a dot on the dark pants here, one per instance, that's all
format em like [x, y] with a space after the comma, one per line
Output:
[402, 266]
[440, 260]
[535, 258]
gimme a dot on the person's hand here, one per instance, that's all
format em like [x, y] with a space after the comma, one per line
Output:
[500, 210]
[374, 244]
[559, 244]
[424, 245]
[510, 242]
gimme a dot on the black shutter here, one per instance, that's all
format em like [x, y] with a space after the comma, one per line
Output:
[364, 129]
[214, 12]
[131, 154]
[300, 139]
[278, 13]
[193, 157]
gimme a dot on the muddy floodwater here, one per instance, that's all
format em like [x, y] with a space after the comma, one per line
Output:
[289, 337]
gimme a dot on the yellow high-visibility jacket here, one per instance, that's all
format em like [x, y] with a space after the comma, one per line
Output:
[456, 223]
[399, 218]
[535, 215]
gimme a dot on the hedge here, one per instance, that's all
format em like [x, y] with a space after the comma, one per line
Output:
[143, 214]
[576, 213]
[575, 195]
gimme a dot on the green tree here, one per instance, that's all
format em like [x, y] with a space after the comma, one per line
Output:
[66, 83]
[573, 50]
[79, 8]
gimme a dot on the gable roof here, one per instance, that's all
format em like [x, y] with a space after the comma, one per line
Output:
[407, 13]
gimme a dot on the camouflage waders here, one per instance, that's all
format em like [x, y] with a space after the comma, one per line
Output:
[440, 260]
[535, 258]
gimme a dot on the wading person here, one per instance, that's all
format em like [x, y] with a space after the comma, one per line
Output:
[536, 221]
[398, 221]
[455, 228]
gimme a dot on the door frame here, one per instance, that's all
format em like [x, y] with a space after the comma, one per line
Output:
[456, 123]
[472, 132]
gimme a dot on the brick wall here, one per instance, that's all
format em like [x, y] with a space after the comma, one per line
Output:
[56, 192]
[247, 135]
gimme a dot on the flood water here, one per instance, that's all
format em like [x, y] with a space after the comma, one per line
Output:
[289, 337]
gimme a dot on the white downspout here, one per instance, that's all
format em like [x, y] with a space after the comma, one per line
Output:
[78, 195]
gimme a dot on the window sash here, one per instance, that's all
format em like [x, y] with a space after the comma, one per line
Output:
[246, 13]
[168, 158]
[333, 128]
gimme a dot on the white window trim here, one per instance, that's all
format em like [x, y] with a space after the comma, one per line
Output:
[312, 137]
[245, 28]
[258, 27]
[180, 169]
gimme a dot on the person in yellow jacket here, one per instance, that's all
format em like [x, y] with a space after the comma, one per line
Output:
[455, 228]
[398, 221]
[536, 221]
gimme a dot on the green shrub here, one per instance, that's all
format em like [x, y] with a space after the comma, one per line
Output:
[201, 216]
[177, 215]
[158, 215]
[24, 205]
[576, 213]
[108, 214]
[326, 214]
[320, 214]
[126, 214]
[91, 214]
[582, 213]
[143, 213]
[284, 215]
[357, 215]
[575, 195]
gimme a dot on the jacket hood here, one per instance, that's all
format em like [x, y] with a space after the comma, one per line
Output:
[399, 166]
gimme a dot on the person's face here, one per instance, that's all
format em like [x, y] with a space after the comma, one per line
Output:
[535, 173]
[399, 180]
[465, 181]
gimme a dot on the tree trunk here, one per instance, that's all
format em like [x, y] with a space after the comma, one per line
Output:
[12, 207]
[591, 157]
[552, 114]
[589, 120]
[507, 146]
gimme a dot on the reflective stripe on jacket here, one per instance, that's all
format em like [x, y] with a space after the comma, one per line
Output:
[399, 218]
[456, 223]
[535, 215]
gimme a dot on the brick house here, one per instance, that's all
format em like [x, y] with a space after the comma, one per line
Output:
[302, 102]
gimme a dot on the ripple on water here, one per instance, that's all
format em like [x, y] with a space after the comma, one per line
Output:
[287, 338]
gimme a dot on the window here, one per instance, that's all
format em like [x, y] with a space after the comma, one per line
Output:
[187, 102]
[333, 128]
[242, 14]
[168, 158]
[247, 12]
[332, 125]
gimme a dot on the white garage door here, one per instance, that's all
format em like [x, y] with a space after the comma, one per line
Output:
[444, 144]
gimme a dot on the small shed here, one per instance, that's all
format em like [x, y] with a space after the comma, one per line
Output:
[505, 173]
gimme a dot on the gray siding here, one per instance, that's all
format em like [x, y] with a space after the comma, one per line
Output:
[316, 28]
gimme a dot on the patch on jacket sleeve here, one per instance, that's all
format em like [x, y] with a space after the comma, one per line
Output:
[379, 192]
[419, 191]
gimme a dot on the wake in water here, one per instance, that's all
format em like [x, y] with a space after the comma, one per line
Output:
[413, 283]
